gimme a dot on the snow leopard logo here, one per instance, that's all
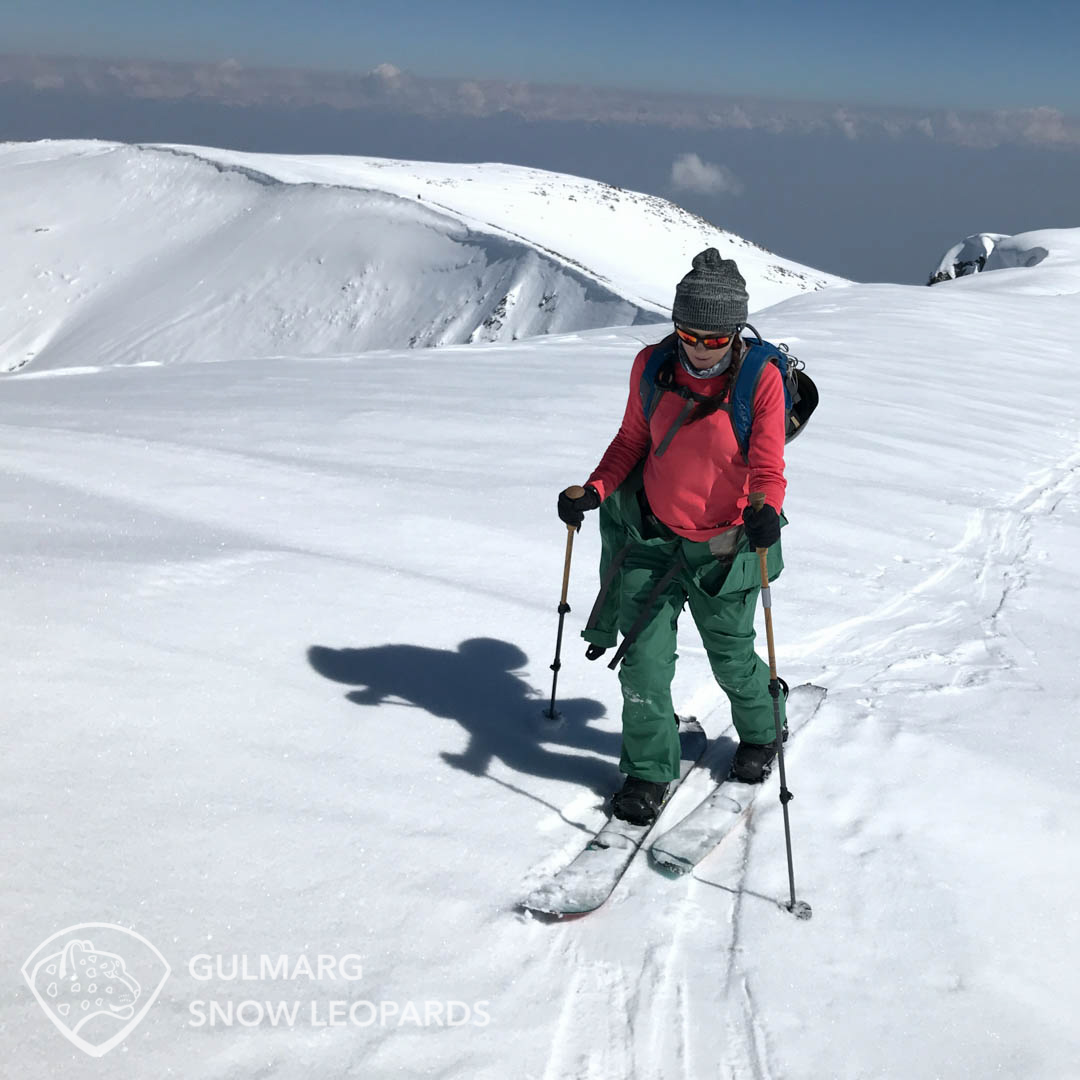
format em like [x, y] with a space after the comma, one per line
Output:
[88, 986]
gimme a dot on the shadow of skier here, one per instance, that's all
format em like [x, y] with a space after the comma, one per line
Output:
[478, 687]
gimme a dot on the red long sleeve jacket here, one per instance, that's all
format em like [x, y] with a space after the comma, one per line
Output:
[699, 486]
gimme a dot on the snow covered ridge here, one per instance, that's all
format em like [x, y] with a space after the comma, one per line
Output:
[118, 254]
[1060, 248]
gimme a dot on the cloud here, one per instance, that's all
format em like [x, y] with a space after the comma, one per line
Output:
[732, 116]
[846, 123]
[1040, 125]
[472, 97]
[389, 87]
[690, 173]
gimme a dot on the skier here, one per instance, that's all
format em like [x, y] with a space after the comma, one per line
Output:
[677, 528]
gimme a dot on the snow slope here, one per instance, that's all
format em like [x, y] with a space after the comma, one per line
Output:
[120, 254]
[277, 635]
[637, 244]
[996, 251]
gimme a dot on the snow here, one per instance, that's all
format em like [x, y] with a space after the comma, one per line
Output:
[181, 253]
[278, 630]
[996, 251]
[639, 243]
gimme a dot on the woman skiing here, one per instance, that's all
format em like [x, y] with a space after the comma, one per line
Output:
[677, 529]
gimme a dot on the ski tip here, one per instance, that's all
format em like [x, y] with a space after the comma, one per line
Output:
[537, 909]
[552, 904]
[543, 901]
[538, 914]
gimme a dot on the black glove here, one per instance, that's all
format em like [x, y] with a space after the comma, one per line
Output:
[572, 511]
[594, 652]
[762, 526]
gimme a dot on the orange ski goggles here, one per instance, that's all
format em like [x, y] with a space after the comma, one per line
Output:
[710, 341]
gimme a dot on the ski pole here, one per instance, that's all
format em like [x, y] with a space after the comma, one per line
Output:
[564, 607]
[799, 908]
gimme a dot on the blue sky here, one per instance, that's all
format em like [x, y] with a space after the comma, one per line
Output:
[961, 53]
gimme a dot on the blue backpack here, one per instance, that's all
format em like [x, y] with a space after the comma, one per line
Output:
[800, 393]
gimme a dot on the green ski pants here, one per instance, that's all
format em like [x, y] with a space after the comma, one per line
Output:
[638, 552]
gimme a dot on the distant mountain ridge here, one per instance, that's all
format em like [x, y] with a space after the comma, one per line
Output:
[114, 253]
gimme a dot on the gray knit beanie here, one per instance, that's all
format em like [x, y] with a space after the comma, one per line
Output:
[712, 296]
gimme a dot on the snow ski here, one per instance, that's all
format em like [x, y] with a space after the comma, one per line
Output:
[584, 884]
[683, 846]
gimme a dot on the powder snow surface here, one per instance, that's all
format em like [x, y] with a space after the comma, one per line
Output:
[277, 634]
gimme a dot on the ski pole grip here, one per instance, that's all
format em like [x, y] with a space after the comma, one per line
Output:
[570, 530]
[574, 492]
[757, 501]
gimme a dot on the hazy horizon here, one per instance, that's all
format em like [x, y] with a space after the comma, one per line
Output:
[969, 54]
[872, 208]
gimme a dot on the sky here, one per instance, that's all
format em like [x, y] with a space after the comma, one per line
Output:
[857, 187]
[872, 209]
[967, 54]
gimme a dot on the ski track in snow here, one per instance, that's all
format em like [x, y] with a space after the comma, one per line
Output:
[597, 989]
[638, 1038]
[970, 591]
[965, 598]
[960, 605]
[744, 1054]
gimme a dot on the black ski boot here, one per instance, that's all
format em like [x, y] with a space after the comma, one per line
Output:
[753, 761]
[638, 801]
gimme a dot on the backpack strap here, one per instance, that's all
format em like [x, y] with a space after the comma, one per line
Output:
[650, 388]
[657, 379]
[605, 585]
[755, 358]
[646, 612]
[688, 407]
